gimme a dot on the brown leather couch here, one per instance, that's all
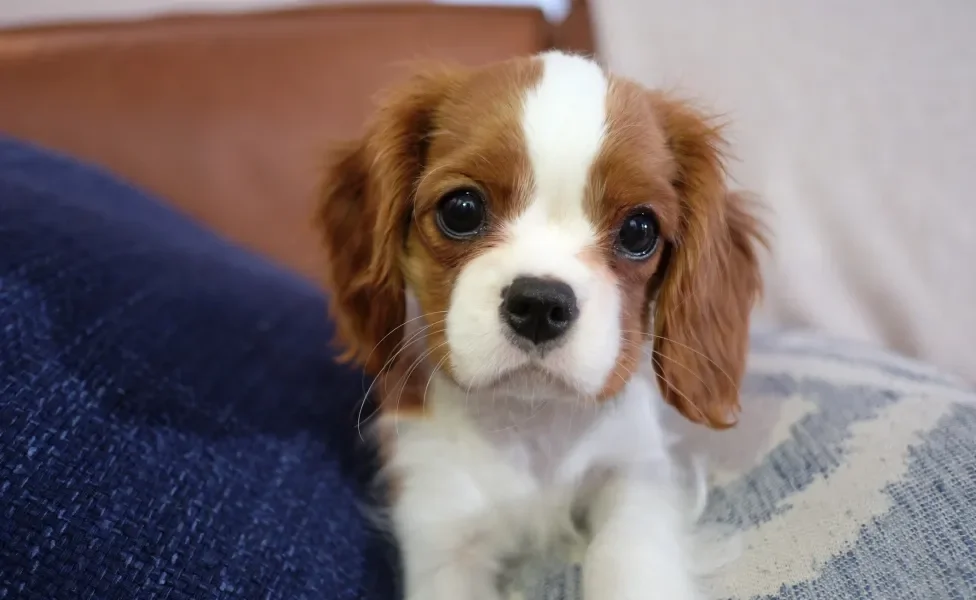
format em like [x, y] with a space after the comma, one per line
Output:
[227, 116]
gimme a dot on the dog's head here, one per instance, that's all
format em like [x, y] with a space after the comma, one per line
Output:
[552, 222]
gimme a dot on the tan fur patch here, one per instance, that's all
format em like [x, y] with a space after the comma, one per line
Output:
[475, 141]
[632, 172]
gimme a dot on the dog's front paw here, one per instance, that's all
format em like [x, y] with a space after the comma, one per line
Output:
[619, 573]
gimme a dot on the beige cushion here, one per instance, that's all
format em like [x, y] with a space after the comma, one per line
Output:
[856, 122]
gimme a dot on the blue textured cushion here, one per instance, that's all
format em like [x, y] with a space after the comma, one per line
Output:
[171, 423]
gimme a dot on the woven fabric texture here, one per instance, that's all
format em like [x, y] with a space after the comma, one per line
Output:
[172, 425]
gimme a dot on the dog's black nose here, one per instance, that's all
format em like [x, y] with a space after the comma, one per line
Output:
[539, 310]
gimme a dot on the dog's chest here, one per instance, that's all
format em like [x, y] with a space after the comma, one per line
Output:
[538, 446]
[555, 445]
[520, 471]
[522, 487]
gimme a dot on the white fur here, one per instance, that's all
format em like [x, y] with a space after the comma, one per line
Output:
[495, 472]
[485, 479]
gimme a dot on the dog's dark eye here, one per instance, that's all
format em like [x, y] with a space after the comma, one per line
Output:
[461, 214]
[638, 235]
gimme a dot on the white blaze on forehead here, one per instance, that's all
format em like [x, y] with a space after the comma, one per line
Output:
[564, 122]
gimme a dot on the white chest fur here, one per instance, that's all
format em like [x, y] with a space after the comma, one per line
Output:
[485, 479]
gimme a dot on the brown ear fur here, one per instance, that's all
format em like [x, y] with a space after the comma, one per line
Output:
[711, 280]
[364, 209]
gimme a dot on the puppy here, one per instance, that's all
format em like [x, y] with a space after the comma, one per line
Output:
[508, 247]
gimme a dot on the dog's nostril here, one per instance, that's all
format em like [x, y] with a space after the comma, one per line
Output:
[520, 307]
[539, 310]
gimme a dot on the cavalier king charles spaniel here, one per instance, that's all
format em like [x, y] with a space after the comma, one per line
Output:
[534, 258]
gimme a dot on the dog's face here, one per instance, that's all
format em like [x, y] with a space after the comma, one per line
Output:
[551, 223]
[535, 252]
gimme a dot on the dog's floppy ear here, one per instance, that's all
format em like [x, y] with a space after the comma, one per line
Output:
[711, 278]
[364, 209]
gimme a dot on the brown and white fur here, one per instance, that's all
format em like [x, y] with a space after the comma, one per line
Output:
[497, 448]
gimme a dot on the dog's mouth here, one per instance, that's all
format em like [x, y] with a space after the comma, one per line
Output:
[532, 379]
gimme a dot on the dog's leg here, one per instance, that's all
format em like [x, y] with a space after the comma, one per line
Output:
[445, 552]
[638, 549]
